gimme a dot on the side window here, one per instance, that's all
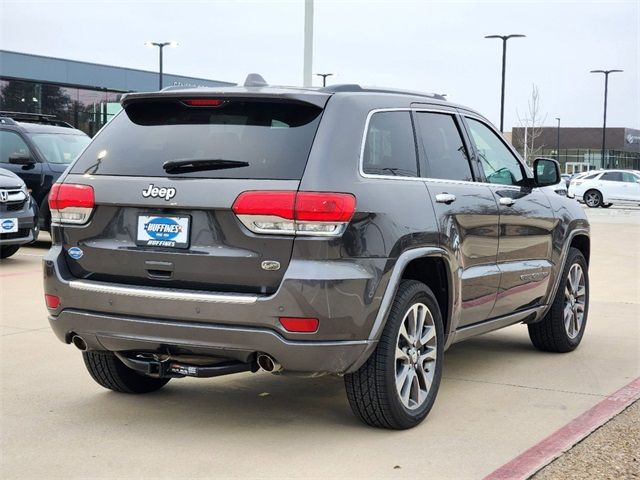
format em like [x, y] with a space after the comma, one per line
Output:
[498, 163]
[390, 147]
[629, 177]
[612, 177]
[11, 143]
[443, 147]
[591, 177]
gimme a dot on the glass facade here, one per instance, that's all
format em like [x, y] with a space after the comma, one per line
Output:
[593, 158]
[85, 108]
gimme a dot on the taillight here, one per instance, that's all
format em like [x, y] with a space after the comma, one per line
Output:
[52, 301]
[295, 213]
[300, 325]
[71, 203]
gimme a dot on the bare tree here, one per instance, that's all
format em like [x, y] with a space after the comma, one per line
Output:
[531, 125]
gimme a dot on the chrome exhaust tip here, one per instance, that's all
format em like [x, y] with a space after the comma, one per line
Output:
[79, 343]
[268, 363]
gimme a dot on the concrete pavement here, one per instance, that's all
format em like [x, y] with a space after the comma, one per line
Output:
[498, 397]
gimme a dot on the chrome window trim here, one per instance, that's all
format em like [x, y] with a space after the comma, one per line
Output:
[364, 139]
[161, 293]
[453, 113]
[510, 147]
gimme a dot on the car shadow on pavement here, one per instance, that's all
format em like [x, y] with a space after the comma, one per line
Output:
[244, 401]
[262, 400]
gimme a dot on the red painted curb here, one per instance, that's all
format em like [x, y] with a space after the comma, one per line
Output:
[533, 459]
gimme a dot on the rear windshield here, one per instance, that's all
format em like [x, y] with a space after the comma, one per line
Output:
[273, 138]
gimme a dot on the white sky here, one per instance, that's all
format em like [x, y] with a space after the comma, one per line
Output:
[429, 46]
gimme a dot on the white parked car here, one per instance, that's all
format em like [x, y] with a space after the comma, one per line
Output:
[606, 187]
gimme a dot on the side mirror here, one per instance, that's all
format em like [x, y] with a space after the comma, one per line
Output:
[19, 158]
[546, 171]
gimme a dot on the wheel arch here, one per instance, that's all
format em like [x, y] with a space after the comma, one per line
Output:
[578, 238]
[582, 242]
[434, 272]
[406, 267]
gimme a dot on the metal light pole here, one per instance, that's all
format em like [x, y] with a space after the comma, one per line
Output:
[504, 39]
[558, 141]
[324, 77]
[161, 46]
[307, 64]
[604, 122]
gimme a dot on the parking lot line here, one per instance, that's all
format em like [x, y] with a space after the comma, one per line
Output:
[541, 454]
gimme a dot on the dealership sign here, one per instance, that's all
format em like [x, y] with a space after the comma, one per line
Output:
[633, 138]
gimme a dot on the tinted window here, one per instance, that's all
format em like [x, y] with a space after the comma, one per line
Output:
[629, 177]
[390, 147]
[612, 177]
[58, 148]
[498, 163]
[592, 176]
[443, 147]
[11, 144]
[274, 138]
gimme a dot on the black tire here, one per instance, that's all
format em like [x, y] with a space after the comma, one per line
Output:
[108, 371]
[606, 205]
[550, 334]
[7, 250]
[592, 198]
[371, 390]
[44, 215]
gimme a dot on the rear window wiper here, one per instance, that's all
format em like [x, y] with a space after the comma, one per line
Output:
[199, 165]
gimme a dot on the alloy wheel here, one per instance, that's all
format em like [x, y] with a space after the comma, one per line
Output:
[575, 295]
[592, 199]
[415, 357]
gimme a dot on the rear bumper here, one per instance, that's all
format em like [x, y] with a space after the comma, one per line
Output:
[344, 295]
[119, 333]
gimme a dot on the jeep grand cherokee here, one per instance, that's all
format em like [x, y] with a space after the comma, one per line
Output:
[350, 231]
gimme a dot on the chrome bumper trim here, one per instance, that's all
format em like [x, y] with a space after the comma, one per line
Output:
[162, 293]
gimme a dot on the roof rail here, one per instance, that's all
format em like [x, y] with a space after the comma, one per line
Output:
[40, 118]
[354, 87]
[7, 121]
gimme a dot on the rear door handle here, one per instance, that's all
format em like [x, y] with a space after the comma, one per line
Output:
[507, 201]
[445, 198]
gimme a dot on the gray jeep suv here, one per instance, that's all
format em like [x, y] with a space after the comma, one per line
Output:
[350, 231]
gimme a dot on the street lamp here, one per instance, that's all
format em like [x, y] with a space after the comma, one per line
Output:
[324, 77]
[558, 141]
[161, 46]
[604, 123]
[504, 39]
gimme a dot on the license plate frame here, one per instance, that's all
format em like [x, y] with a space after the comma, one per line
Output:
[164, 231]
[8, 225]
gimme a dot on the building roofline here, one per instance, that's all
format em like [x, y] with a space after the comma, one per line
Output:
[111, 66]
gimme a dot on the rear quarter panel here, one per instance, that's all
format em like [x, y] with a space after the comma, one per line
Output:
[392, 215]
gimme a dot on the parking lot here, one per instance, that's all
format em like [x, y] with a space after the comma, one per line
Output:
[498, 397]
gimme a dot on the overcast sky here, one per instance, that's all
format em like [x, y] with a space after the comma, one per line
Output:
[428, 46]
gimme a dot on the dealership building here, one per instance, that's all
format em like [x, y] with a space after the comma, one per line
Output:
[581, 148]
[83, 94]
